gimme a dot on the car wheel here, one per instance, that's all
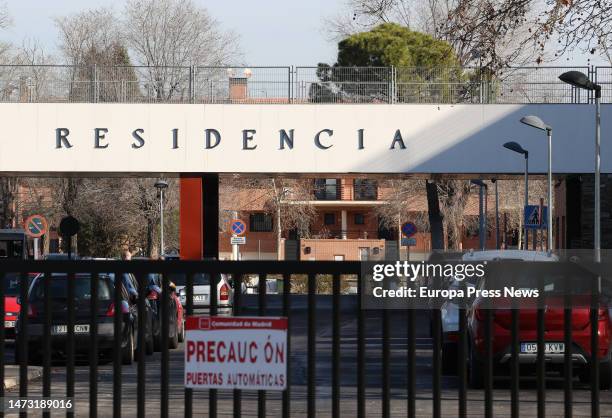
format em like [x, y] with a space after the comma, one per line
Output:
[584, 375]
[476, 372]
[181, 336]
[127, 355]
[449, 359]
[605, 375]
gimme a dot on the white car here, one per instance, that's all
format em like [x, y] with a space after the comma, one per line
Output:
[201, 291]
[449, 311]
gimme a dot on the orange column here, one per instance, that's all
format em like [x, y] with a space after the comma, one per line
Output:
[191, 218]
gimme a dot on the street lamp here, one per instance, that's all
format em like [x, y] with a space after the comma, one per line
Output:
[483, 196]
[161, 185]
[516, 147]
[536, 122]
[580, 80]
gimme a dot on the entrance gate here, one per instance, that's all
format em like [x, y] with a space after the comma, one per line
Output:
[196, 142]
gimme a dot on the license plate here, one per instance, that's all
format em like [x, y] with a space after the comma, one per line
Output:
[63, 329]
[9, 324]
[549, 348]
[200, 298]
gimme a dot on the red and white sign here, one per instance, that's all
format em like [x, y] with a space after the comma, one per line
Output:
[236, 353]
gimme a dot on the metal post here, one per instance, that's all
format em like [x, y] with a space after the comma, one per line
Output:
[549, 220]
[597, 232]
[234, 246]
[161, 221]
[481, 220]
[526, 199]
[496, 216]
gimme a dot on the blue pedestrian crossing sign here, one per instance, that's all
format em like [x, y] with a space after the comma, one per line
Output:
[536, 217]
[237, 227]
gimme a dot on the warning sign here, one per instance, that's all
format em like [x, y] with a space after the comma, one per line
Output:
[236, 353]
[536, 216]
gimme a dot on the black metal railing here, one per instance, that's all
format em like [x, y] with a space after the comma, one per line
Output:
[290, 274]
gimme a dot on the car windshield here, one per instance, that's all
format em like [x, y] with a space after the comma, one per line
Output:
[82, 288]
[199, 279]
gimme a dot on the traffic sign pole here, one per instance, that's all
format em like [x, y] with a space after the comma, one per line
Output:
[36, 249]
[235, 250]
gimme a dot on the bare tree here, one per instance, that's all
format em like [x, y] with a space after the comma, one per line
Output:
[397, 208]
[489, 33]
[82, 32]
[168, 36]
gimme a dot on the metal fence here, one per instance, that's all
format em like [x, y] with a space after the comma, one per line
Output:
[301, 85]
[363, 402]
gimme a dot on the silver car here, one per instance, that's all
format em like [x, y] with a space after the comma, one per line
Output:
[201, 291]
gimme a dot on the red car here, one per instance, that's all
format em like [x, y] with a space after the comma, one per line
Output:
[554, 336]
[180, 318]
[11, 307]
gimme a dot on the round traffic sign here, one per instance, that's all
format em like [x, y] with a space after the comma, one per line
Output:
[237, 227]
[409, 229]
[36, 226]
[69, 226]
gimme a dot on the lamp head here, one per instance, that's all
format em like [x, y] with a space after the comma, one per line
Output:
[161, 184]
[535, 122]
[577, 79]
[516, 147]
[478, 183]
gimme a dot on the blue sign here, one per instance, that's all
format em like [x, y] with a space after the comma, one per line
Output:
[408, 242]
[409, 229]
[238, 227]
[534, 219]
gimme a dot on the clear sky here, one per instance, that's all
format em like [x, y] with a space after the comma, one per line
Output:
[272, 32]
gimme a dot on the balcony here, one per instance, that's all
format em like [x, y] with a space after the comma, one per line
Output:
[294, 85]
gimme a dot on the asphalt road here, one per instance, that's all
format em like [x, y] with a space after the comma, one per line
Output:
[298, 361]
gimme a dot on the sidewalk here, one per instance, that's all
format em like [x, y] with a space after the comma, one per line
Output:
[11, 375]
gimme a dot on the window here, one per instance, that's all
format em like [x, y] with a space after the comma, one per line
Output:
[330, 219]
[326, 189]
[359, 219]
[365, 189]
[260, 222]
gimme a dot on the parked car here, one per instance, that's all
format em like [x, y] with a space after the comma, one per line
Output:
[554, 325]
[176, 326]
[133, 290]
[450, 308]
[59, 318]
[201, 291]
[11, 307]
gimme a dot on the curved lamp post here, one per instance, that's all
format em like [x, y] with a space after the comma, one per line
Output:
[516, 147]
[580, 80]
[536, 122]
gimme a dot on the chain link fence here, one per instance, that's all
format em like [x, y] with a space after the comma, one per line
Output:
[301, 85]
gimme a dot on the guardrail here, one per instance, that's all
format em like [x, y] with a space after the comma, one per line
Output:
[312, 272]
[299, 85]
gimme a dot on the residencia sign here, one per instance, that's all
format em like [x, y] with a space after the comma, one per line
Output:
[213, 139]
[184, 138]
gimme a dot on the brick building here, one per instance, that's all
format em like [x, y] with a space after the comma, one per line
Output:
[347, 224]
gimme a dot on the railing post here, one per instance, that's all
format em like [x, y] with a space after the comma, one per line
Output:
[96, 90]
[191, 84]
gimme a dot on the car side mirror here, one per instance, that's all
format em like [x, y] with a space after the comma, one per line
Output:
[18, 300]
